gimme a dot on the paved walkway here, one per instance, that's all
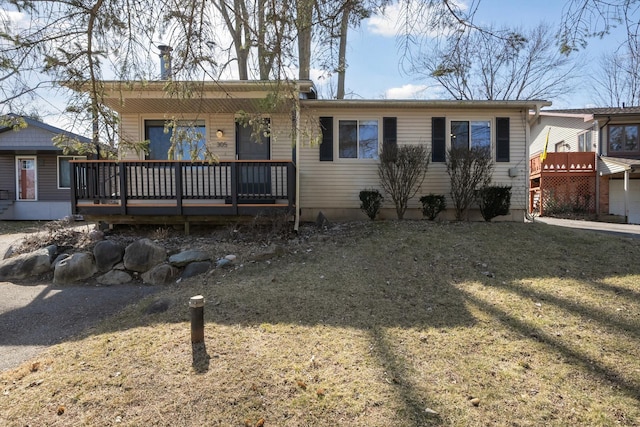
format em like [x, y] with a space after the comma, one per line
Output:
[626, 230]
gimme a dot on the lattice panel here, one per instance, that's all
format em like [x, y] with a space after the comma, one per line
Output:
[562, 194]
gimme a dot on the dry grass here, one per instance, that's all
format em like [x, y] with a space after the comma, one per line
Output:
[382, 324]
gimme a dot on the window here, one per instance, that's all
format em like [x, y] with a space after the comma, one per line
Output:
[479, 136]
[623, 138]
[561, 147]
[64, 170]
[188, 139]
[584, 141]
[358, 139]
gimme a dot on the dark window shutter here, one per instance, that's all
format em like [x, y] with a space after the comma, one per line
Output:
[326, 146]
[438, 139]
[502, 139]
[389, 132]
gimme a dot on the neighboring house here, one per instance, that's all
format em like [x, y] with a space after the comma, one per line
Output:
[602, 146]
[34, 174]
[318, 156]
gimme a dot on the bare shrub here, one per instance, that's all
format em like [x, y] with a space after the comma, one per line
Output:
[401, 172]
[469, 169]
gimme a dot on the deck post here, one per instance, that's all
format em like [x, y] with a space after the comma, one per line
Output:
[122, 172]
[178, 172]
[74, 189]
[234, 186]
[291, 183]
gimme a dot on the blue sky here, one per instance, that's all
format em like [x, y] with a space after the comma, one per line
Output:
[373, 58]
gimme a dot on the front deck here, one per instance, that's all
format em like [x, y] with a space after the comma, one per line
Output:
[563, 182]
[123, 191]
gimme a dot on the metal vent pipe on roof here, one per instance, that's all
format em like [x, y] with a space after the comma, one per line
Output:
[165, 62]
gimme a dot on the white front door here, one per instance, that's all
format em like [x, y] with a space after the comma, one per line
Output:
[27, 178]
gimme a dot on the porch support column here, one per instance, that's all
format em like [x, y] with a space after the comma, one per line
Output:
[626, 196]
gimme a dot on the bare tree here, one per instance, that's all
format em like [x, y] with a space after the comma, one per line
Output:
[517, 65]
[617, 81]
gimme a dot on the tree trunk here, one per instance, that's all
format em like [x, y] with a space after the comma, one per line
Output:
[342, 52]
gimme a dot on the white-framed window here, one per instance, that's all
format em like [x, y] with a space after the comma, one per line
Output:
[584, 141]
[189, 138]
[470, 134]
[64, 170]
[358, 139]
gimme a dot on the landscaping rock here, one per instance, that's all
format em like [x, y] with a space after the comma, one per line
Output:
[79, 266]
[26, 265]
[159, 306]
[142, 255]
[184, 258]
[195, 268]
[160, 275]
[269, 253]
[107, 254]
[114, 277]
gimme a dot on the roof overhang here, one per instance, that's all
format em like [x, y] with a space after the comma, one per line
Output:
[613, 165]
[191, 97]
[420, 103]
[585, 117]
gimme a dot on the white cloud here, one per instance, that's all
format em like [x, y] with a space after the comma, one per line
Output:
[394, 20]
[408, 91]
[15, 19]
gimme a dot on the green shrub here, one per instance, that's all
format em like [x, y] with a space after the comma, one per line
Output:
[371, 202]
[432, 205]
[494, 201]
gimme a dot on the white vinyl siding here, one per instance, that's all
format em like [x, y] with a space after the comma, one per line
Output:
[337, 184]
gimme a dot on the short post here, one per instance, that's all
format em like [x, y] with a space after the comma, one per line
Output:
[196, 307]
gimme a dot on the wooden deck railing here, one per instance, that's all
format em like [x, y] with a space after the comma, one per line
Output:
[181, 188]
[576, 163]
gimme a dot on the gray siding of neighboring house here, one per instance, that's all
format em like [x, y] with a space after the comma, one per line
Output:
[52, 202]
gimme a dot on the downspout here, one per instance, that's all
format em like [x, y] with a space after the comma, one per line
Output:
[600, 148]
[527, 161]
[297, 165]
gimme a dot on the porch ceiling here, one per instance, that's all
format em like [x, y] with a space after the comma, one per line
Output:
[161, 105]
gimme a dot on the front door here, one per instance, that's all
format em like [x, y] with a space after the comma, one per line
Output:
[26, 178]
[254, 178]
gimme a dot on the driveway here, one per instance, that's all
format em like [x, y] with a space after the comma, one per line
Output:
[36, 315]
[623, 230]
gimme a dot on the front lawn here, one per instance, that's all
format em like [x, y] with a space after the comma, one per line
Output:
[392, 323]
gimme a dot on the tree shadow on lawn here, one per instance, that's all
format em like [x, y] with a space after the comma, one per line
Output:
[410, 282]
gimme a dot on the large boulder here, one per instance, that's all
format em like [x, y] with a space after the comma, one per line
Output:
[107, 254]
[142, 255]
[187, 257]
[114, 277]
[27, 265]
[195, 269]
[77, 267]
[160, 275]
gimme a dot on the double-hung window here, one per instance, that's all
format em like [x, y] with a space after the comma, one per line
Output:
[471, 134]
[623, 139]
[358, 139]
[584, 141]
[186, 140]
